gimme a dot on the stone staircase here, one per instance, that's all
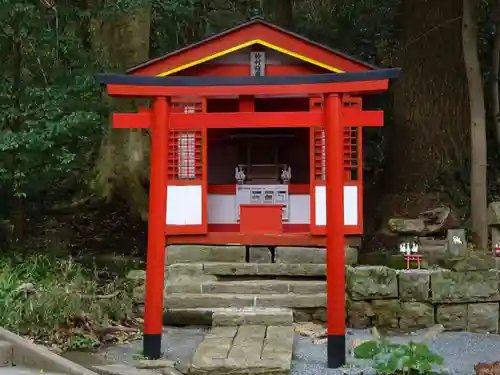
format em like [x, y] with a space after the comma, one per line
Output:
[19, 356]
[234, 285]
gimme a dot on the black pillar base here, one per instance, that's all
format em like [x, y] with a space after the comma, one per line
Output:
[336, 351]
[151, 346]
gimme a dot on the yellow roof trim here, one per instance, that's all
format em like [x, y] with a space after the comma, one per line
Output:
[247, 44]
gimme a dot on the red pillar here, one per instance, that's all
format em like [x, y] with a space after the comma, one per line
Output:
[155, 260]
[335, 269]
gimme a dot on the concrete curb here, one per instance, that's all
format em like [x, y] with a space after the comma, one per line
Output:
[28, 354]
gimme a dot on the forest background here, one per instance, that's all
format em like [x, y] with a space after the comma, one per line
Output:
[67, 181]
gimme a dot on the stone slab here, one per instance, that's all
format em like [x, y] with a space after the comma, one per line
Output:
[252, 316]
[16, 370]
[259, 254]
[311, 255]
[187, 272]
[200, 254]
[187, 301]
[264, 269]
[414, 285]
[416, 315]
[456, 242]
[452, 317]
[472, 286]
[482, 317]
[372, 282]
[246, 349]
[5, 353]
[249, 287]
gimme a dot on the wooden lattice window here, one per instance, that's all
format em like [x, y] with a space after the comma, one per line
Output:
[350, 154]
[185, 155]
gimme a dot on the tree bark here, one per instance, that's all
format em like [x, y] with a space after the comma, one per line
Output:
[495, 69]
[478, 176]
[121, 40]
[428, 139]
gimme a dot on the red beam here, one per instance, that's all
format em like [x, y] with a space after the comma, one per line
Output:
[351, 117]
[354, 116]
[140, 120]
[356, 87]
[245, 120]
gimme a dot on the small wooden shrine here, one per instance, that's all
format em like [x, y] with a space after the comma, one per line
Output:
[256, 140]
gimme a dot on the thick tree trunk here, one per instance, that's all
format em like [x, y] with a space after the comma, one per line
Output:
[428, 140]
[495, 70]
[121, 40]
[478, 177]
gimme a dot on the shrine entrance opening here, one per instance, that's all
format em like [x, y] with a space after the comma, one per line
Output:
[254, 167]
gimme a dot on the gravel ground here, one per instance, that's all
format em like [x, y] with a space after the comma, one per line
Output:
[460, 350]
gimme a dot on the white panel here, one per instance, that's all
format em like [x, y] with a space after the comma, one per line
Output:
[320, 205]
[300, 211]
[221, 209]
[184, 205]
[350, 205]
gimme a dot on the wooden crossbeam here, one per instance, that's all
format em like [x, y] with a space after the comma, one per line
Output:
[351, 116]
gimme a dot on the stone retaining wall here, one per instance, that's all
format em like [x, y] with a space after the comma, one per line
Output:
[466, 299]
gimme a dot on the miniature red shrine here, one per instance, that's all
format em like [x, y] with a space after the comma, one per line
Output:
[256, 140]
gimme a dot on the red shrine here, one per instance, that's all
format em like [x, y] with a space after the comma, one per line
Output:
[256, 140]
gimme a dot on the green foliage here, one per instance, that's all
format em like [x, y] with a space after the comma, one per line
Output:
[391, 358]
[58, 300]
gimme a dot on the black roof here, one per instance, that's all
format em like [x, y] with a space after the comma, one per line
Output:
[252, 21]
[368, 75]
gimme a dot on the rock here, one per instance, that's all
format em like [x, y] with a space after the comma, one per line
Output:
[416, 315]
[154, 363]
[136, 276]
[475, 261]
[319, 315]
[472, 286]
[387, 312]
[482, 317]
[351, 255]
[494, 213]
[179, 273]
[359, 314]
[297, 255]
[200, 254]
[407, 226]
[311, 330]
[259, 254]
[372, 282]
[301, 316]
[414, 285]
[456, 244]
[452, 317]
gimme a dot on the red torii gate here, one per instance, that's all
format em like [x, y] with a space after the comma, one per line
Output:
[333, 117]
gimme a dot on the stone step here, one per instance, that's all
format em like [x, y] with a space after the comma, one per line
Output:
[5, 353]
[264, 269]
[259, 254]
[246, 349]
[249, 287]
[17, 370]
[252, 316]
[290, 300]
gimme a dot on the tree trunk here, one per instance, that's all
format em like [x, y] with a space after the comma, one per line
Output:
[478, 176]
[495, 69]
[121, 40]
[428, 140]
